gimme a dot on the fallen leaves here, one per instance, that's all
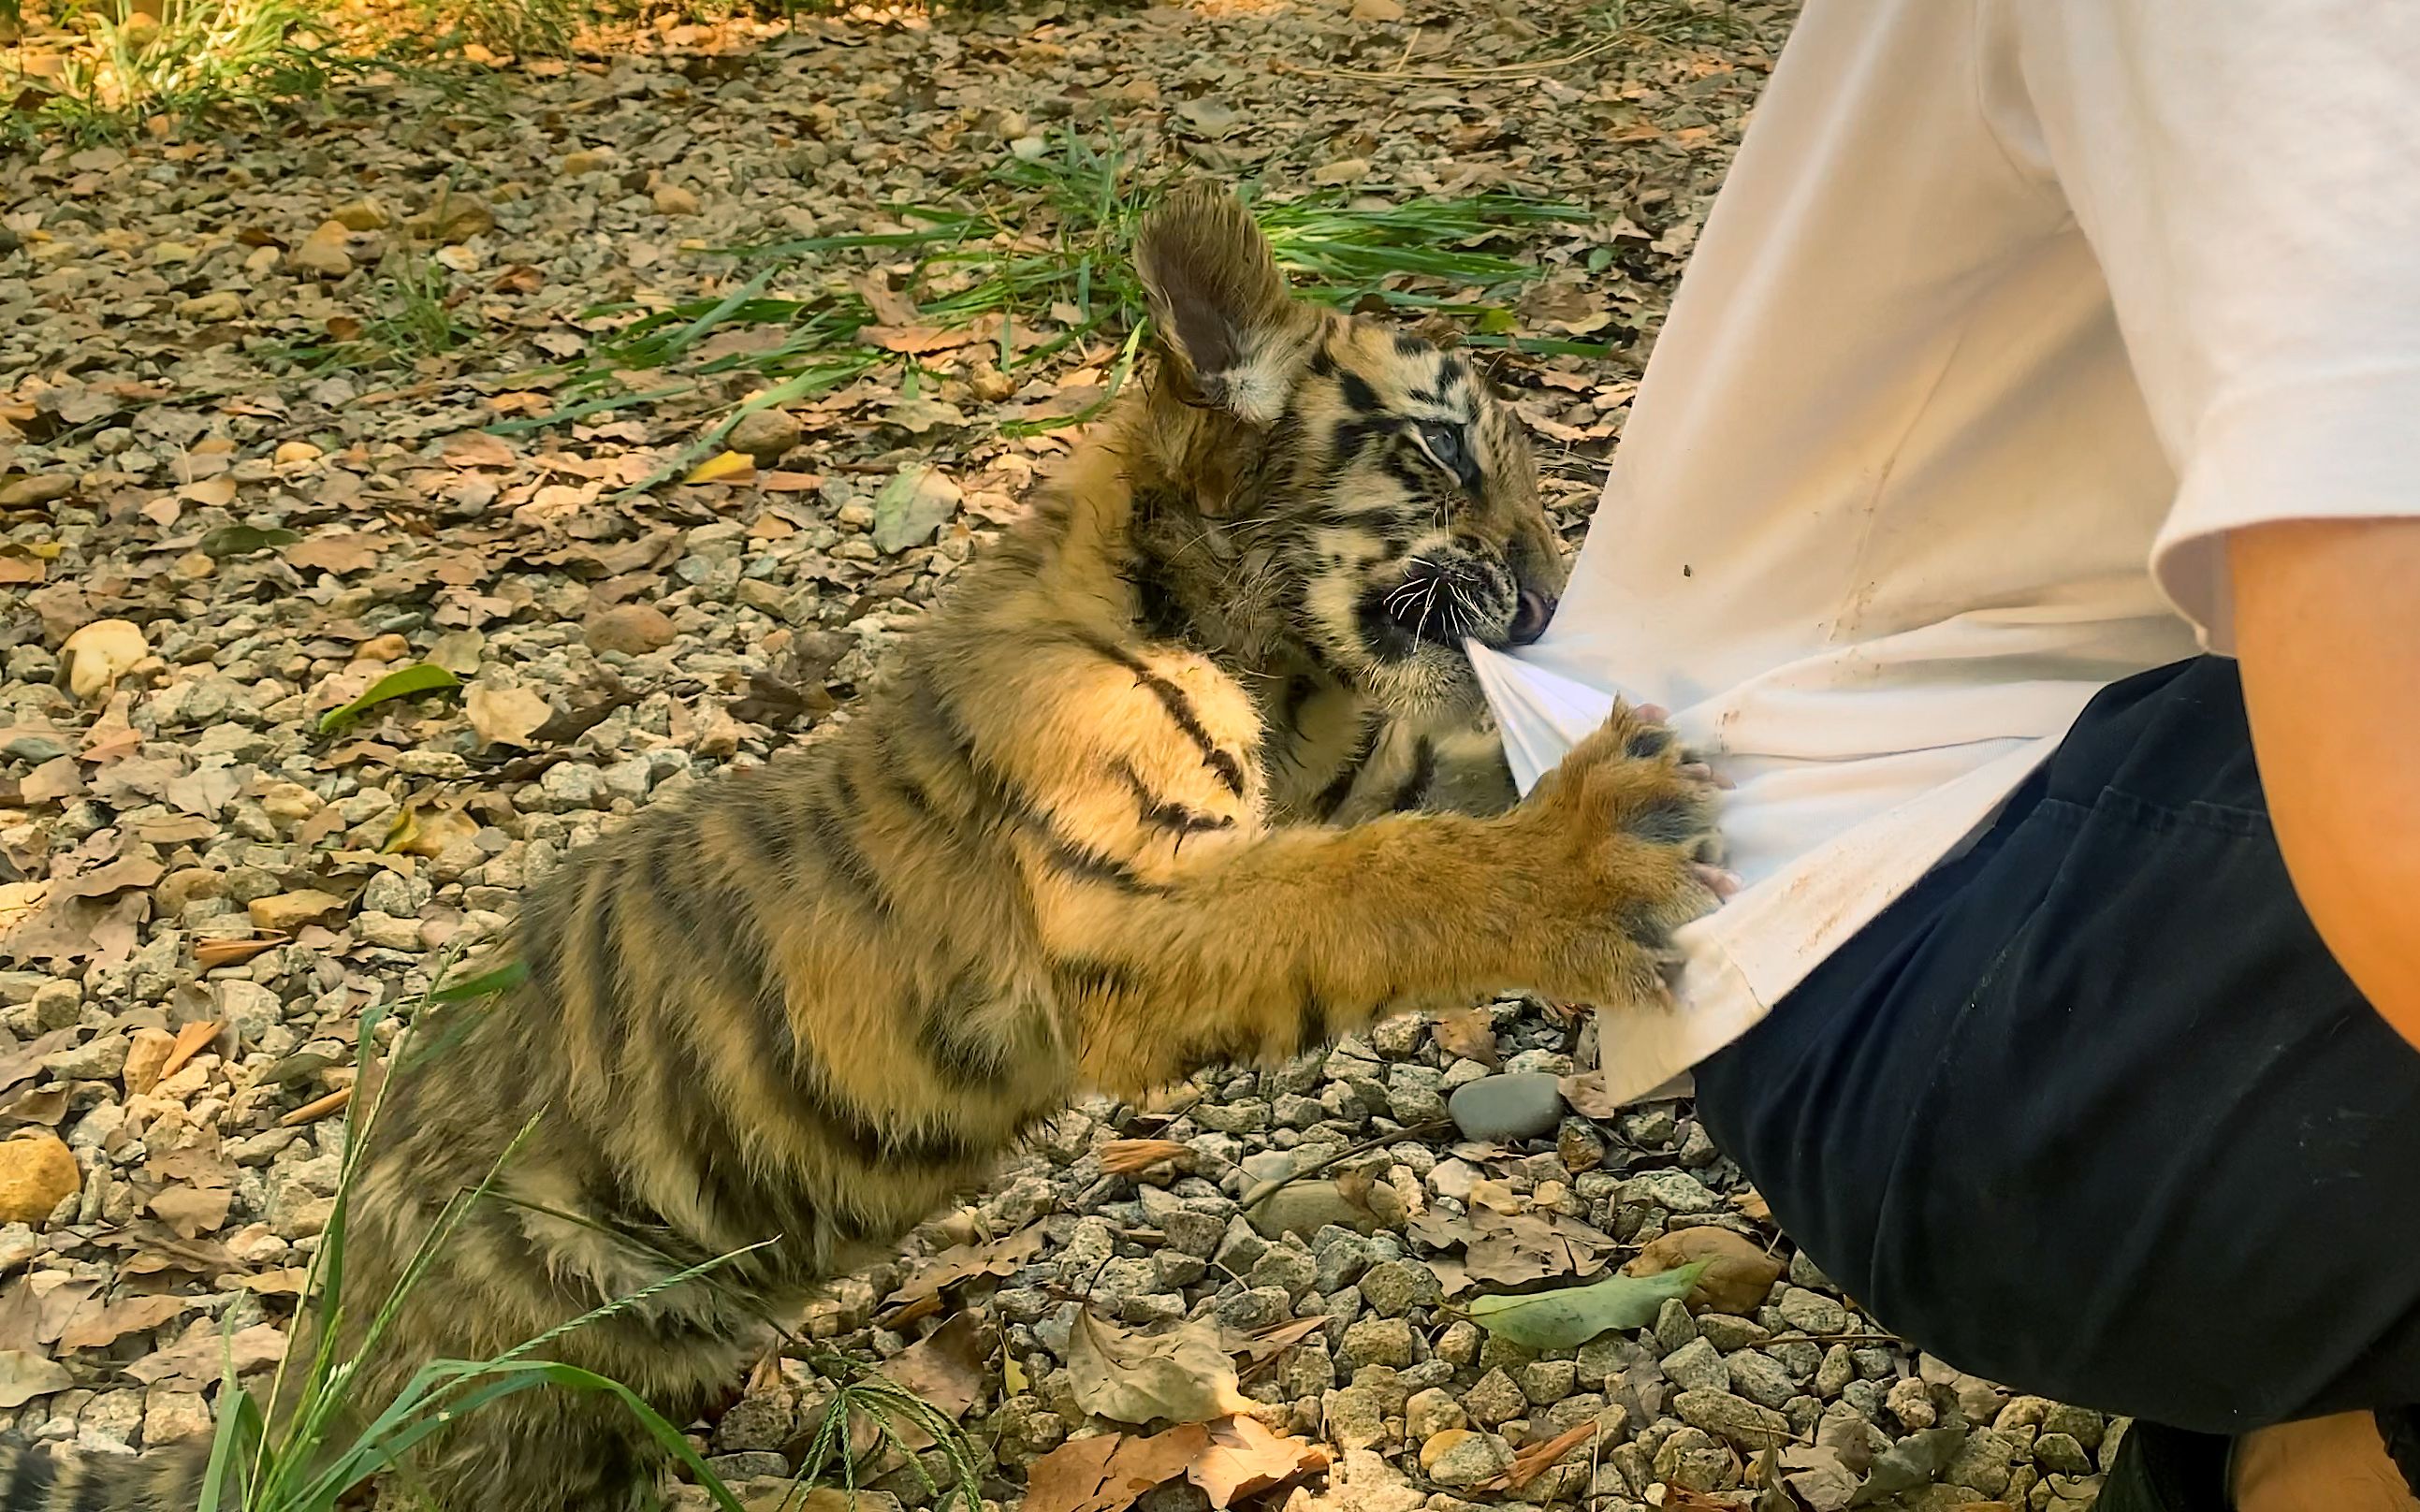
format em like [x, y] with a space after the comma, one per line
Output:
[1468, 1034]
[917, 341]
[1535, 1459]
[1245, 1459]
[505, 715]
[723, 466]
[1513, 1248]
[945, 1368]
[24, 1375]
[97, 1326]
[1231, 1459]
[420, 678]
[921, 1293]
[192, 1210]
[911, 507]
[191, 1041]
[341, 554]
[211, 954]
[1126, 1157]
[194, 1361]
[1571, 1316]
[1735, 1271]
[1109, 1472]
[1182, 1376]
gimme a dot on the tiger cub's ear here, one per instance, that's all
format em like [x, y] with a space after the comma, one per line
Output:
[1231, 331]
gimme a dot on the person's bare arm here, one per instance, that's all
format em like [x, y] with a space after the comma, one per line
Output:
[2327, 625]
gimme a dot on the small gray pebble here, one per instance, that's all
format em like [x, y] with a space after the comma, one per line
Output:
[1695, 1366]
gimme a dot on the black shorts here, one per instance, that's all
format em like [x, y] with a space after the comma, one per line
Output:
[2092, 1113]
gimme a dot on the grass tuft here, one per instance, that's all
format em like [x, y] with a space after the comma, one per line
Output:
[330, 1443]
[1050, 240]
[522, 28]
[898, 1419]
[193, 59]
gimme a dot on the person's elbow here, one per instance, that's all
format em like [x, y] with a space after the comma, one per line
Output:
[2327, 629]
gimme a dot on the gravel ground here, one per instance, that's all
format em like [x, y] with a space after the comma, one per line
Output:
[236, 491]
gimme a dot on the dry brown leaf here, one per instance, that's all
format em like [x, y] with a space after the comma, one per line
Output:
[78, 929]
[342, 554]
[1245, 1459]
[212, 954]
[1469, 1034]
[193, 1363]
[317, 1109]
[217, 492]
[43, 1106]
[1535, 1459]
[1588, 1096]
[946, 1368]
[192, 1211]
[24, 1377]
[505, 715]
[1182, 1376]
[191, 1041]
[478, 449]
[1125, 1157]
[56, 778]
[95, 1326]
[1739, 1274]
[1270, 1342]
[429, 831]
[56, 1305]
[889, 309]
[1110, 1471]
[916, 340]
[25, 1059]
[174, 831]
[132, 871]
[959, 1262]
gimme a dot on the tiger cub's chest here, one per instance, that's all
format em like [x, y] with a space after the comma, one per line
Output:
[1332, 758]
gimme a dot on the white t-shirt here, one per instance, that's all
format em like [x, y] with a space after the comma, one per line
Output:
[2009, 311]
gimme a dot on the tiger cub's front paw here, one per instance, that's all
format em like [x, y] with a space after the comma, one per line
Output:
[1626, 822]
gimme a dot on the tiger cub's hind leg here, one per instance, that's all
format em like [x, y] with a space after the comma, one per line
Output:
[547, 1449]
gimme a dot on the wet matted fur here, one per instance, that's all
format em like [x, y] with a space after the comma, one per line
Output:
[1136, 800]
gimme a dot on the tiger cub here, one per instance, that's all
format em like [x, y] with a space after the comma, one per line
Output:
[1072, 842]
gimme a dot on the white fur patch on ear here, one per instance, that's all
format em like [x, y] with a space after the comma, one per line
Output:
[1256, 392]
[1217, 303]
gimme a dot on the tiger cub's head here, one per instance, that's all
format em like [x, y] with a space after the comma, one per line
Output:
[1387, 499]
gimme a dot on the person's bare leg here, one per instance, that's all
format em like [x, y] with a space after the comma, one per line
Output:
[2321, 1464]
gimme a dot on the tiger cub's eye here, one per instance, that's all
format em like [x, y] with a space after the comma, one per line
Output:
[1443, 442]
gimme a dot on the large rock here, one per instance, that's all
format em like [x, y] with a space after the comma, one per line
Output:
[37, 1173]
[1509, 1107]
[633, 629]
[765, 434]
[323, 253]
[1736, 1418]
